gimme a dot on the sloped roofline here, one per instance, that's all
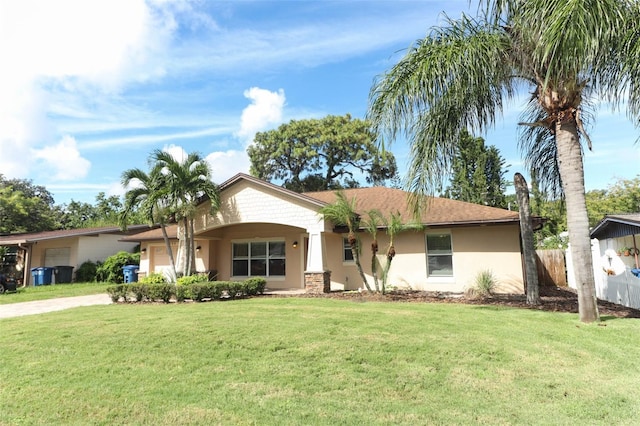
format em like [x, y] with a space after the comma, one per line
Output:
[32, 237]
[619, 225]
[243, 176]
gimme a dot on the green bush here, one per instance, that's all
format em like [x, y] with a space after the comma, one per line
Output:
[111, 270]
[163, 292]
[195, 289]
[140, 291]
[86, 273]
[254, 286]
[153, 278]
[118, 292]
[191, 279]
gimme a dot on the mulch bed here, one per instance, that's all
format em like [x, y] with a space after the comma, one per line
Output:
[554, 299]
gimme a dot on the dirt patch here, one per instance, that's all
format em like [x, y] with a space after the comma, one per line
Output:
[554, 299]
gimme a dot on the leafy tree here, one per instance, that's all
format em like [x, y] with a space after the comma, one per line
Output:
[478, 175]
[621, 197]
[320, 154]
[568, 54]
[105, 212]
[187, 183]
[343, 213]
[25, 207]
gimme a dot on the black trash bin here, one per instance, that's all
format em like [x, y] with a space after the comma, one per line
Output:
[130, 273]
[41, 275]
[64, 274]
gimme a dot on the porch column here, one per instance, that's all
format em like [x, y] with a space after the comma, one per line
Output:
[316, 278]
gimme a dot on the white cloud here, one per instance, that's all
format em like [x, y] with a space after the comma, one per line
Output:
[177, 152]
[63, 161]
[225, 165]
[264, 110]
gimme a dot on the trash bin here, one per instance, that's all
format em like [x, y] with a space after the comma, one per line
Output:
[130, 273]
[41, 275]
[63, 274]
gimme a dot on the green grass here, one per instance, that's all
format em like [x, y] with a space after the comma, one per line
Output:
[290, 361]
[52, 291]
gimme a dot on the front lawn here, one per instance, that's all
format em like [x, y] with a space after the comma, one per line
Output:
[317, 361]
[52, 291]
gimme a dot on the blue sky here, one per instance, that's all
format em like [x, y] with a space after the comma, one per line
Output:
[89, 88]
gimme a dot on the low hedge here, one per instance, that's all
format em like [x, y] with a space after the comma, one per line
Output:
[195, 290]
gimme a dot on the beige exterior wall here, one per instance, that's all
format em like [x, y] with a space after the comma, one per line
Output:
[495, 248]
[81, 249]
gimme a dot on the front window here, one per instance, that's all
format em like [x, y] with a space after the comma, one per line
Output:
[347, 254]
[439, 255]
[259, 258]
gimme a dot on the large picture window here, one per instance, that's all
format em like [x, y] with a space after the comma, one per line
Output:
[439, 255]
[259, 258]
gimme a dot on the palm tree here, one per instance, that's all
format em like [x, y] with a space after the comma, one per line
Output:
[343, 213]
[371, 224]
[188, 183]
[393, 226]
[568, 54]
[149, 196]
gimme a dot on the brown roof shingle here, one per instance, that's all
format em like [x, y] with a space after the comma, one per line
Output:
[438, 211]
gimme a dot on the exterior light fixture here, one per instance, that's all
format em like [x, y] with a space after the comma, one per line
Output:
[295, 244]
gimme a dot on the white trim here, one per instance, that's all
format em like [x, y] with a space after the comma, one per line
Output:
[439, 278]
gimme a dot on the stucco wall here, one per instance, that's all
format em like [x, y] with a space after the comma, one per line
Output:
[81, 249]
[494, 248]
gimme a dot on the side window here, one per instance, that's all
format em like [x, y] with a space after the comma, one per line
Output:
[347, 254]
[439, 255]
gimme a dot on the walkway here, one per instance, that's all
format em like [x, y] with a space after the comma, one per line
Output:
[50, 305]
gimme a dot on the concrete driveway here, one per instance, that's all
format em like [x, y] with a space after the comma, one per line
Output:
[50, 305]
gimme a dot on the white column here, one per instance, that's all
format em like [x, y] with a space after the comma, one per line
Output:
[315, 256]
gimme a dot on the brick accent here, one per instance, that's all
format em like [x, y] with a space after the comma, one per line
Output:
[317, 282]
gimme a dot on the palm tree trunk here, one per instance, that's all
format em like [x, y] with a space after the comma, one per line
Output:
[187, 247]
[571, 170]
[193, 245]
[169, 250]
[528, 246]
[356, 259]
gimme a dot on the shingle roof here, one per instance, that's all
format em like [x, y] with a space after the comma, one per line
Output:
[26, 238]
[153, 234]
[438, 211]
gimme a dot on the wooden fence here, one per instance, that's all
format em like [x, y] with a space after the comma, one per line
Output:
[552, 270]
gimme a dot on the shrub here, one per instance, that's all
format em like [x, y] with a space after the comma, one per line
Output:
[233, 288]
[191, 279]
[162, 292]
[254, 286]
[484, 284]
[153, 278]
[117, 292]
[86, 272]
[111, 270]
[140, 291]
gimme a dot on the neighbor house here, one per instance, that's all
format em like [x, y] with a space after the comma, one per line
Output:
[68, 247]
[265, 230]
[615, 248]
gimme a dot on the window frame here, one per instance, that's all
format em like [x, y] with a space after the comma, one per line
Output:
[267, 257]
[430, 276]
[347, 254]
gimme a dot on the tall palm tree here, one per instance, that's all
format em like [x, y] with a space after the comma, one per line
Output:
[148, 195]
[568, 54]
[188, 182]
[343, 213]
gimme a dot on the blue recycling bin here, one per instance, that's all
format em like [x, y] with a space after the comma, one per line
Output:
[130, 273]
[42, 275]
